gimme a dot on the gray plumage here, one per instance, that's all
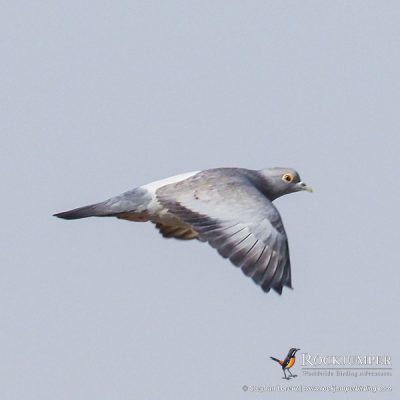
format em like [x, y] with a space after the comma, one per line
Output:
[230, 208]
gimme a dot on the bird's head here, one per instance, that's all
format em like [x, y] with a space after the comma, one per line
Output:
[281, 181]
[293, 351]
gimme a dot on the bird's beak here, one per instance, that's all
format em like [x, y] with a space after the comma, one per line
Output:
[303, 186]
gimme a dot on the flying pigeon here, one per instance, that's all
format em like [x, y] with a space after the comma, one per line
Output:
[230, 208]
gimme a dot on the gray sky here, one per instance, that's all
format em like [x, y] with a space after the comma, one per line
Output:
[100, 97]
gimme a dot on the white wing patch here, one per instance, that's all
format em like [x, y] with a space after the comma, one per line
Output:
[153, 186]
[154, 206]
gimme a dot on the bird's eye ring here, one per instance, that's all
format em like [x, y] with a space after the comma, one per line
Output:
[287, 177]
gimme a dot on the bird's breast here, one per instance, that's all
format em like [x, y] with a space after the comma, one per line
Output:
[291, 362]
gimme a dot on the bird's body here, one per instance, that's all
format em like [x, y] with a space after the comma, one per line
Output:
[288, 362]
[230, 208]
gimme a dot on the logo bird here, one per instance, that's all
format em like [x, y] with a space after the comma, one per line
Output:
[287, 363]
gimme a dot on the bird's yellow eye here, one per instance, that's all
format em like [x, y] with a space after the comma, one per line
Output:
[287, 177]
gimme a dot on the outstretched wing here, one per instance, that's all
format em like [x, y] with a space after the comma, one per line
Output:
[234, 217]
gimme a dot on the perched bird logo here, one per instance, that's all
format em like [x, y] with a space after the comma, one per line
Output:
[287, 363]
[230, 208]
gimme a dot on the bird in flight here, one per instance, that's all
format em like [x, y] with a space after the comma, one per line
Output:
[287, 363]
[230, 208]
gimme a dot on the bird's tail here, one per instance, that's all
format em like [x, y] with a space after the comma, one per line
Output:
[135, 200]
[275, 359]
[93, 210]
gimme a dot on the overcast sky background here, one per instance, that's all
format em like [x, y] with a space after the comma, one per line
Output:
[100, 97]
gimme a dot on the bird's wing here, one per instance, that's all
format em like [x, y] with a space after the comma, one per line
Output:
[234, 217]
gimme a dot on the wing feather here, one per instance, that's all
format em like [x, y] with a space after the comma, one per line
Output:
[237, 220]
